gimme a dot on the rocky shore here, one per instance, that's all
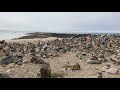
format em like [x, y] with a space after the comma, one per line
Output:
[51, 55]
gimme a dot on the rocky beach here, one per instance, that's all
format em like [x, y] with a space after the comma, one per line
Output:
[53, 55]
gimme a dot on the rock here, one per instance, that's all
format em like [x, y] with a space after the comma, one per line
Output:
[7, 60]
[113, 71]
[94, 62]
[8, 71]
[19, 63]
[105, 68]
[11, 65]
[108, 53]
[84, 53]
[2, 42]
[45, 71]
[4, 75]
[2, 54]
[33, 59]
[93, 58]
[102, 59]
[19, 55]
[39, 60]
[101, 55]
[76, 67]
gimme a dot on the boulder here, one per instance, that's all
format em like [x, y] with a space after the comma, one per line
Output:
[45, 71]
[7, 60]
[112, 71]
[39, 60]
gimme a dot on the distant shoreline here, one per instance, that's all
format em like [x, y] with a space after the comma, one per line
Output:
[32, 35]
[59, 35]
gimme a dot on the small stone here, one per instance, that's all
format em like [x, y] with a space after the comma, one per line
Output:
[93, 58]
[8, 71]
[39, 60]
[76, 67]
[19, 63]
[11, 65]
[94, 62]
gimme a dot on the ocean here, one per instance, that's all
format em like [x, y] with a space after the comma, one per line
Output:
[11, 35]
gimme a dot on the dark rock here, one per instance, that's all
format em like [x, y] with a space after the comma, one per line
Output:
[4, 75]
[7, 60]
[34, 58]
[39, 60]
[45, 71]
[76, 67]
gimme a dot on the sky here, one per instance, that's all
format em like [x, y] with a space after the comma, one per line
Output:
[66, 22]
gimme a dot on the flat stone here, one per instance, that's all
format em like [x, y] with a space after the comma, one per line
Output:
[94, 62]
[113, 71]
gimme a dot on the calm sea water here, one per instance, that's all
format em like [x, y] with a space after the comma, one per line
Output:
[11, 35]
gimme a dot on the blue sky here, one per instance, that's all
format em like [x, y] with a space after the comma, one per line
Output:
[70, 22]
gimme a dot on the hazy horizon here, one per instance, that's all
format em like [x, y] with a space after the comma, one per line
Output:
[61, 22]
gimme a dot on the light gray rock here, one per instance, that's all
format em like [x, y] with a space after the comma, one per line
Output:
[112, 71]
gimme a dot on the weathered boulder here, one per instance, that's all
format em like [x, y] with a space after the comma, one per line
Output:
[45, 71]
[7, 60]
[113, 71]
[37, 60]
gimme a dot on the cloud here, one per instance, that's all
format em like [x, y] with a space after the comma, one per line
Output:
[61, 21]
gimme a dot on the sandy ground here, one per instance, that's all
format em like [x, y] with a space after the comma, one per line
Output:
[32, 40]
[30, 70]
